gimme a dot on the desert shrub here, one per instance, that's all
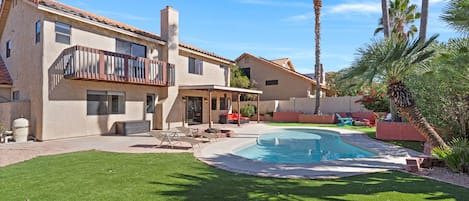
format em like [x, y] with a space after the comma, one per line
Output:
[456, 155]
[248, 110]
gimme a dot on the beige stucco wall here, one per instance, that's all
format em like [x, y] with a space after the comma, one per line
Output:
[212, 74]
[328, 105]
[58, 105]
[65, 100]
[66, 114]
[24, 64]
[288, 86]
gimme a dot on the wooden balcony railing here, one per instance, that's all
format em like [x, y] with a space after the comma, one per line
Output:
[84, 63]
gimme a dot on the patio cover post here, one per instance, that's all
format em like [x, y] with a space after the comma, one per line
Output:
[239, 109]
[183, 113]
[258, 115]
[210, 108]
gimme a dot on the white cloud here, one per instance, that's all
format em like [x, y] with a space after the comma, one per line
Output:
[437, 1]
[300, 18]
[276, 3]
[356, 8]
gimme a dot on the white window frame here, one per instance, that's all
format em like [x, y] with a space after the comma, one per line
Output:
[60, 33]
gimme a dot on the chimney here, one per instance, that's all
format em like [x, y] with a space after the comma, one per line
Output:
[170, 32]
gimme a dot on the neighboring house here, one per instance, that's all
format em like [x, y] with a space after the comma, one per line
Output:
[80, 72]
[277, 79]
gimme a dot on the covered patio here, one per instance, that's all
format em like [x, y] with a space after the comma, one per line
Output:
[210, 90]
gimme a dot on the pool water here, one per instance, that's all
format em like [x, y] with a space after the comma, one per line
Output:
[301, 146]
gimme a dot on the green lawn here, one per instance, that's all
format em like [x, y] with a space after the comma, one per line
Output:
[94, 175]
[371, 132]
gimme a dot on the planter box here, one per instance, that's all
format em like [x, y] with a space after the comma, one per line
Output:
[262, 118]
[286, 116]
[316, 119]
[397, 131]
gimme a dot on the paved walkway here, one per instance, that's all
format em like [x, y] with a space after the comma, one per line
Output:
[16, 152]
[389, 157]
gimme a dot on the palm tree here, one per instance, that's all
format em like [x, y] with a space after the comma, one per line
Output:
[385, 18]
[423, 21]
[402, 14]
[457, 15]
[390, 60]
[317, 65]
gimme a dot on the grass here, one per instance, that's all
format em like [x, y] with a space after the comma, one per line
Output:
[94, 175]
[371, 132]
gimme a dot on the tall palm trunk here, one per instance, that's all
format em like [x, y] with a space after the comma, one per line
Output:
[385, 11]
[400, 95]
[423, 21]
[317, 65]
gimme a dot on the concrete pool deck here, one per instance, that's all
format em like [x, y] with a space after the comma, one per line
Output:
[221, 154]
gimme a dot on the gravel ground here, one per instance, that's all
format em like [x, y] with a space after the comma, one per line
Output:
[446, 175]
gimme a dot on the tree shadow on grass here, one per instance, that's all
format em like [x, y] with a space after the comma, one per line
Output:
[220, 185]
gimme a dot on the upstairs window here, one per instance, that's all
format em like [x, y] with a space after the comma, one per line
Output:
[195, 66]
[8, 48]
[129, 48]
[16, 96]
[62, 33]
[38, 31]
[271, 82]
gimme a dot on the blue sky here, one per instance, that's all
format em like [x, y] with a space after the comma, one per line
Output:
[270, 29]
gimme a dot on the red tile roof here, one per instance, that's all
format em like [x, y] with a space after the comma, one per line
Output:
[4, 74]
[90, 16]
[204, 52]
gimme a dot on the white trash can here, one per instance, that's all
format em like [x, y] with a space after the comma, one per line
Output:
[21, 130]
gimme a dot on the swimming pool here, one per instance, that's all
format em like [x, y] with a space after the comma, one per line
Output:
[301, 146]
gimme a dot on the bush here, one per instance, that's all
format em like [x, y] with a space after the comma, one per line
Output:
[456, 155]
[248, 110]
[375, 101]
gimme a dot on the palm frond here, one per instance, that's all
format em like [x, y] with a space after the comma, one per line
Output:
[390, 59]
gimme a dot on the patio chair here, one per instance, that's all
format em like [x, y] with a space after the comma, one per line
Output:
[172, 138]
[164, 136]
[6, 136]
[344, 120]
[191, 132]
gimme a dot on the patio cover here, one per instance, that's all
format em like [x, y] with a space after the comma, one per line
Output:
[211, 88]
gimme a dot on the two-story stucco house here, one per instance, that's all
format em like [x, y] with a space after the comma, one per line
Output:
[277, 79]
[79, 73]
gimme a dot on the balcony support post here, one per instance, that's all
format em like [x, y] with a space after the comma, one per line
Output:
[101, 65]
[126, 68]
[147, 71]
[165, 73]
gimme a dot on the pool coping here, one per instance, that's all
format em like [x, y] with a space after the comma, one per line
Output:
[389, 157]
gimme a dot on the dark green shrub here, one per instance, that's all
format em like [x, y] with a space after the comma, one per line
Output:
[248, 110]
[456, 155]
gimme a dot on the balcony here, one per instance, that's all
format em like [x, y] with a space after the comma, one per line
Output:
[84, 63]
